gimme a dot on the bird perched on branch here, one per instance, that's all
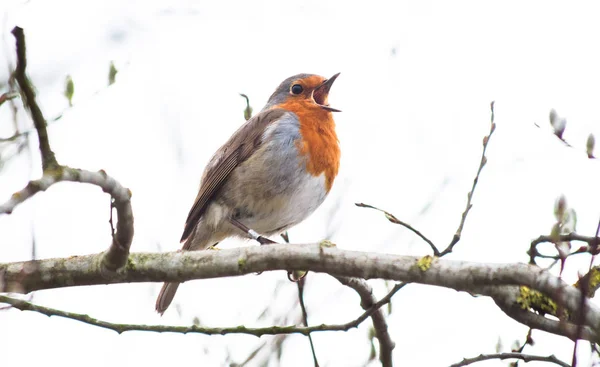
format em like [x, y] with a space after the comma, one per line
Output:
[271, 174]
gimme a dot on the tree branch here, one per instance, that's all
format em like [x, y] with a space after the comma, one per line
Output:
[586, 288]
[28, 96]
[116, 256]
[589, 248]
[507, 299]
[458, 233]
[524, 357]
[7, 97]
[367, 301]
[182, 266]
[482, 162]
[121, 328]
[300, 285]
[395, 220]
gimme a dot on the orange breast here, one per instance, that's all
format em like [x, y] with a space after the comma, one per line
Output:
[319, 140]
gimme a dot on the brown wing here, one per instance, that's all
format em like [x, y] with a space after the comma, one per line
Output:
[242, 144]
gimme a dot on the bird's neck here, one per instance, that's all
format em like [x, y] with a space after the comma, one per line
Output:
[319, 141]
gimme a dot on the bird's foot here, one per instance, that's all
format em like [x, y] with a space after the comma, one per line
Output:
[265, 241]
[296, 275]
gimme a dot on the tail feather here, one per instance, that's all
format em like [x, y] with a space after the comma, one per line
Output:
[165, 297]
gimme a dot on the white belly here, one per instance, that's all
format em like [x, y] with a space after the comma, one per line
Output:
[288, 209]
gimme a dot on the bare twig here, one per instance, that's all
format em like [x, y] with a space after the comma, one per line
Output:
[528, 341]
[121, 328]
[524, 357]
[482, 163]
[28, 95]
[589, 248]
[7, 97]
[382, 302]
[505, 298]
[116, 256]
[585, 290]
[590, 240]
[11, 138]
[457, 236]
[300, 284]
[395, 220]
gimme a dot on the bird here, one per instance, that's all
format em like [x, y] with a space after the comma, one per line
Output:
[271, 174]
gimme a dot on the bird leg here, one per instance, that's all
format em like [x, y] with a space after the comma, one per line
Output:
[250, 232]
[292, 276]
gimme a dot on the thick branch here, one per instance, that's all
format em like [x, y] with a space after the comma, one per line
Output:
[116, 256]
[182, 266]
[507, 299]
[28, 95]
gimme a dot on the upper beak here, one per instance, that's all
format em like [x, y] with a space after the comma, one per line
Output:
[322, 91]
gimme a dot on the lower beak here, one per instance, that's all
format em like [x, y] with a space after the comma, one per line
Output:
[321, 92]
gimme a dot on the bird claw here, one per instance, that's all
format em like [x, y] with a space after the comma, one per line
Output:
[265, 241]
[291, 278]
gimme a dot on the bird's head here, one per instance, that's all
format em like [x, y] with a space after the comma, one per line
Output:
[307, 89]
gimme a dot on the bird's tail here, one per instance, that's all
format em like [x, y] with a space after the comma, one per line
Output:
[165, 297]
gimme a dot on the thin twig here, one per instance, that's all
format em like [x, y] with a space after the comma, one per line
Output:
[395, 220]
[528, 341]
[585, 290]
[7, 97]
[14, 137]
[300, 284]
[121, 328]
[382, 302]
[456, 237]
[591, 248]
[590, 240]
[28, 95]
[482, 162]
[524, 357]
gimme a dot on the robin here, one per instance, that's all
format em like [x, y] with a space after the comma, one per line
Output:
[271, 174]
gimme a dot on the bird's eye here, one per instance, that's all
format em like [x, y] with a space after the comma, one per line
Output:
[297, 89]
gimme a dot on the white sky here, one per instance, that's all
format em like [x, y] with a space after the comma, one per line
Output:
[417, 78]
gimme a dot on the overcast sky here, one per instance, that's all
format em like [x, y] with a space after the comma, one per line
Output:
[417, 78]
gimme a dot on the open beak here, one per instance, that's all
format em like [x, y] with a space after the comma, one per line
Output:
[321, 93]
